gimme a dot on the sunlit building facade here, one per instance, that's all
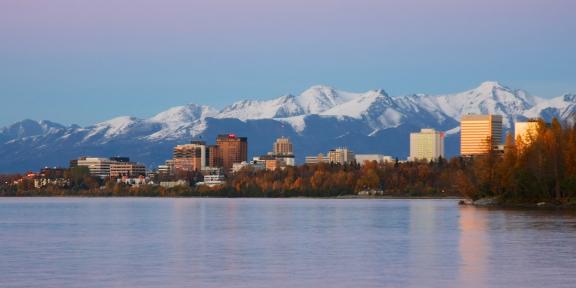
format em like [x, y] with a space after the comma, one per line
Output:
[341, 156]
[190, 157]
[479, 134]
[284, 152]
[526, 132]
[428, 144]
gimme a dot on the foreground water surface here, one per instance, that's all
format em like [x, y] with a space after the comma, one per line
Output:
[61, 242]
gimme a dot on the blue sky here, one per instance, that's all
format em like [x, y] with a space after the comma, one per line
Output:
[79, 61]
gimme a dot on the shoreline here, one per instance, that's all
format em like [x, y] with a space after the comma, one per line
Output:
[495, 203]
[346, 197]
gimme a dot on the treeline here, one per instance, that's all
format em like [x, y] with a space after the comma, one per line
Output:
[331, 180]
[322, 180]
[82, 184]
[540, 168]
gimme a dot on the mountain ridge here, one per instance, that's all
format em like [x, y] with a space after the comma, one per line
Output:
[317, 119]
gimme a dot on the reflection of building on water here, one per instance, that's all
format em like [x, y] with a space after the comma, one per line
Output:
[424, 241]
[474, 247]
[433, 243]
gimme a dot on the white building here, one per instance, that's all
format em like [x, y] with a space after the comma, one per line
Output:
[363, 158]
[98, 166]
[212, 180]
[428, 144]
[341, 156]
[256, 165]
[320, 158]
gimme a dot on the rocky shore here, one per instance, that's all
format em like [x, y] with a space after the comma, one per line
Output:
[495, 202]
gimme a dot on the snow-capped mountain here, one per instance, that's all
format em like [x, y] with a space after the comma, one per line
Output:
[316, 120]
[488, 98]
[181, 121]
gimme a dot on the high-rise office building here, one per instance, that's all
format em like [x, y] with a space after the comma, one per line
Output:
[190, 157]
[283, 151]
[213, 155]
[282, 146]
[479, 134]
[428, 144]
[231, 149]
[526, 132]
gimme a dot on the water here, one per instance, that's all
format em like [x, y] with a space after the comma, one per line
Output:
[58, 242]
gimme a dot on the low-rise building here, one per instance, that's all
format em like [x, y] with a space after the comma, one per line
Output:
[58, 182]
[320, 158]
[109, 167]
[99, 167]
[341, 156]
[256, 165]
[129, 169]
[363, 158]
[135, 181]
[172, 184]
[212, 180]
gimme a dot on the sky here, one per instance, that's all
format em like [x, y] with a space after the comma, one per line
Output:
[84, 61]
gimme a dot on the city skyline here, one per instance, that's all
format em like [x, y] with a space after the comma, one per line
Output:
[287, 143]
[76, 68]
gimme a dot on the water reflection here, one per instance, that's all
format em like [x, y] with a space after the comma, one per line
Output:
[473, 247]
[280, 243]
[433, 251]
[423, 240]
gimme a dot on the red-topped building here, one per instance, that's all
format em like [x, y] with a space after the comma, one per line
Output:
[231, 149]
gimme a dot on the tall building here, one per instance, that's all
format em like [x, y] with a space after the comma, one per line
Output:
[213, 155]
[428, 144]
[282, 146]
[341, 156]
[190, 157]
[526, 132]
[283, 151]
[479, 134]
[231, 149]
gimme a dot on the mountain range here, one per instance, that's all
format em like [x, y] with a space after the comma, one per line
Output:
[317, 120]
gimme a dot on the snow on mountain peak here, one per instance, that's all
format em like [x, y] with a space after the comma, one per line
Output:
[491, 85]
[317, 99]
[181, 120]
[184, 114]
[29, 128]
[374, 108]
[281, 107]
[117, 122]
[489, 98]
[111, 128]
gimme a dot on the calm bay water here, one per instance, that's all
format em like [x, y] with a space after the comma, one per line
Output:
[55, 242]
